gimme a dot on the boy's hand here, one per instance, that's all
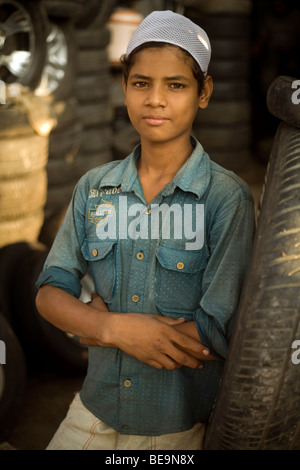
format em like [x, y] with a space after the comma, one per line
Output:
[152, 339]
[190, 329]
[97, 302]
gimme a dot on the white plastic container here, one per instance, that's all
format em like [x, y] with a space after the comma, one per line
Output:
[122, 24]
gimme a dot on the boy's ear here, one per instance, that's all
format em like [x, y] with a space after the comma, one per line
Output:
[206, 92]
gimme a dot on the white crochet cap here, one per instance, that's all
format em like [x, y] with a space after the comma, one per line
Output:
[173, 28]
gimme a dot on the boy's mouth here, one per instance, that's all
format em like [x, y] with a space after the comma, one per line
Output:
[155, 120]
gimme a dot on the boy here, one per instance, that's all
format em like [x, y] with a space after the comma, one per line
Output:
[159, 326]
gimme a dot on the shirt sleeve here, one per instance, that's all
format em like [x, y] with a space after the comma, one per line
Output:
[65, 265]
[230, 245]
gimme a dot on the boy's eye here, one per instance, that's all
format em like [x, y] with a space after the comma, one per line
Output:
[140, 84]
[176, 85]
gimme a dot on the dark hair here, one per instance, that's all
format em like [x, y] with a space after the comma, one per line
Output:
[128, 62]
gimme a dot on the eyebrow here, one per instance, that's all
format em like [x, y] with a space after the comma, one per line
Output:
[137, 76]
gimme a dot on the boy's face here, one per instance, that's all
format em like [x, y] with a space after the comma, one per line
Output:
[161, 95]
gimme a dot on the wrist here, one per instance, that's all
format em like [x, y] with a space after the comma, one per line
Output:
[105, 329]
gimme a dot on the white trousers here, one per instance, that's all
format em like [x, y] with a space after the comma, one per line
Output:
[81, 430]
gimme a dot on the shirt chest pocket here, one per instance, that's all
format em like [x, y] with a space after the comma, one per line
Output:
[101, 256]
[178, 280]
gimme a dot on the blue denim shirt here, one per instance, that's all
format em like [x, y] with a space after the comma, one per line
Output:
[137, 268]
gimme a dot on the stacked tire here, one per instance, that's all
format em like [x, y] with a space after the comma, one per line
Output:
[45, 346]
[75, 80]
[39, 50]
[122, 24]
[92, 89]
[224, 128]
[40, 136]
[23, 160]
[12, 379]
[24, 124]
[56, 87]
[258, 404]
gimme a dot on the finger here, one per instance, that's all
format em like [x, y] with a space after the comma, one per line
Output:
[184, 359]
[188, 343]
[165, 362]
[170, 354]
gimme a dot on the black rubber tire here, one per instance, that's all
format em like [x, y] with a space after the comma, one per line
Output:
[97, 13]
[65, 171]
[10, 257]
[92, 38]
[33, 38]
[232, 69]
[224, 113]
[230, 90]
[258, 404]
[232, 159]
[85, 162]
[90, 61]
[231, 137]
[59, 197]
[223, 48]
[95, 113]
[280, 100]
[223, 26]
[65, 8]
[92, 81]
[96, 140]
[240, 7]
[66, 112]
[51, 226]
[12, 380]
[65, 143]
[43, 344]
[92, 87]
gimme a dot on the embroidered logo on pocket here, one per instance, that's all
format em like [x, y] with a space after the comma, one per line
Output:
[99, 214]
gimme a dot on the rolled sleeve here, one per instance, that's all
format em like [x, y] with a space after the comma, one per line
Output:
[230, 244]
[61, 278]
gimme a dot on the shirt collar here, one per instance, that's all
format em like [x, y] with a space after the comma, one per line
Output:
[193, 176]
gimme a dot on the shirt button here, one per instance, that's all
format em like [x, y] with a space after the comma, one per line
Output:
[94, 252]
[140, 256]
[180, 265]
[135, 298]
[127, 383]
[148, 211]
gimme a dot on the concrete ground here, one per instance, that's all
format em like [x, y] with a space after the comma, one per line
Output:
[48, 396]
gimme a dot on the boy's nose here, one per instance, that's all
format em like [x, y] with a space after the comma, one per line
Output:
[156, 97]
